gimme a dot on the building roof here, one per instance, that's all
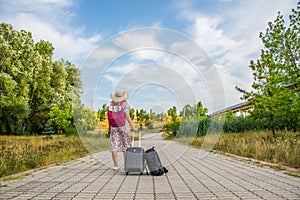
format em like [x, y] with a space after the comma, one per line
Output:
[239, 105]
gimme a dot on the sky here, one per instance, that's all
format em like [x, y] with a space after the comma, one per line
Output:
[163, 52]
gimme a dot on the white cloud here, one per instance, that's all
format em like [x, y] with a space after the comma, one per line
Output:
[206, 32]
[191, 50]
[140, 38]
[112, 79]
[252, 17]
[160, 57]
[123, 68]
[50, 20]
[168, 71]
[230, 37]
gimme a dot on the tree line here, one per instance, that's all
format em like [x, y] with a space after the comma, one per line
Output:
[37, 93]
[140, 116]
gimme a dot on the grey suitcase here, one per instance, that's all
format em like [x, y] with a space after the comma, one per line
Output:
[135, 158]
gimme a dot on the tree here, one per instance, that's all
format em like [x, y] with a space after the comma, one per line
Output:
[229, 115]
[60, 118]
[17, 57]
[201, 111]
[131, 113]
[276, 74]
[74, 83]
[142, 117]
[187, 111]
[173, 113]
[40, 93]
[85, 119]
[196, 110]
[102, 113]
[58, 82]
[31, 83]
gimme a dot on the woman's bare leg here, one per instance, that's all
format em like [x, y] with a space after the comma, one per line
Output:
[115, 158]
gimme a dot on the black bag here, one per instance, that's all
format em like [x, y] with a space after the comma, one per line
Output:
[153, 162]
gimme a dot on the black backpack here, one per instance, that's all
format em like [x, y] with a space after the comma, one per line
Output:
[153, 162]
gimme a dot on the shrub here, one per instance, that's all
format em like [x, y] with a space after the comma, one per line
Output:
[171, 128]
[243, 124]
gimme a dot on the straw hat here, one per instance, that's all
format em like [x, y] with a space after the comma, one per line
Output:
[119, 96]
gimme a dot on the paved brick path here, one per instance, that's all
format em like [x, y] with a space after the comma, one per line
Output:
[191, 176]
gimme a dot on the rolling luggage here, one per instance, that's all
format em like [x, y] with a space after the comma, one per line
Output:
[135, 158]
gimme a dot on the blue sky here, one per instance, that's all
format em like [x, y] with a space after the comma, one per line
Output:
[164, 52]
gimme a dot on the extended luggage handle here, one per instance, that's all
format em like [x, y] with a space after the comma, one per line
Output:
[132, 142]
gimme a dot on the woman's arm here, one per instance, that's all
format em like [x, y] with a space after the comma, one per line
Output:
[130, 122]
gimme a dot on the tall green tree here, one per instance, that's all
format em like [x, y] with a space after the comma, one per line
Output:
[173, 113]
[201, 110]
[142, 117]
[85, 119]
[17, 57]
[74, 83]
[32, 84]
[276, 74]
[131, 113]
[102, 113]
[40, 93]
[187, 111]
[60, 118]
[197, 110]
[59, 82]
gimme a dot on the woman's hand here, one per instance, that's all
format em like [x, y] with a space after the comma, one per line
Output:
[134, 129]
[130, 123]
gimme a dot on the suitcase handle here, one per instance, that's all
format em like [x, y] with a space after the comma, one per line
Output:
[139, 132]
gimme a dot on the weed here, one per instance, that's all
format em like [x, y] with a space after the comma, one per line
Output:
[20, 153]
[284, 149]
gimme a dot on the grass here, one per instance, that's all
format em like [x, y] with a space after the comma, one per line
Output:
[21, 153]
[284, 149]
[16, 177]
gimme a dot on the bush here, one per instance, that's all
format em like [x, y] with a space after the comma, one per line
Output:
[203, 126]
[71, 131]
[48, 129]
[244, 124]
[172, 128]
[200, 127]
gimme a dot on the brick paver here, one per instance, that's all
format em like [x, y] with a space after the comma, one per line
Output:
[191, 176]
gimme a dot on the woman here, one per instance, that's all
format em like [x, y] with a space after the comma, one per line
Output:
[120, 133]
